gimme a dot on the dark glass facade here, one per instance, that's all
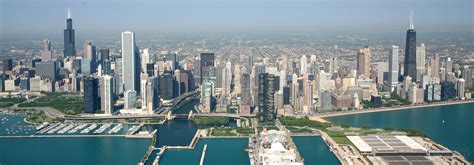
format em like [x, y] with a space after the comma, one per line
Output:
[69, 39]
[410, 55]
[266, 99]
[91, 95]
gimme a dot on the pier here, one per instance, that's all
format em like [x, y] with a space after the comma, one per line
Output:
[203, 155]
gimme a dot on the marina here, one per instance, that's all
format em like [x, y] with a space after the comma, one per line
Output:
[117, 128]
[88, 129]
[102, 128]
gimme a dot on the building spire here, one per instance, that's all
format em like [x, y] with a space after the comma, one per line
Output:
[68, 13]
[412, 24]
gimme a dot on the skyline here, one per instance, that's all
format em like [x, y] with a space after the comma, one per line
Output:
[27, 17]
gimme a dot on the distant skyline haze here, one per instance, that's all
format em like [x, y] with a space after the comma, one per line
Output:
[39, 17]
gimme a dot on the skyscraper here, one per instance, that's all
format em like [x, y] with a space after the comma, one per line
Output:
[130, 99]
[91, 97]
[107, 94]
[207, 62]
[410, 52]
[104, 54]
[303, 67]
[7, 64]
[207, 94]
[393, 67]
[91, 55]
[130, 62]
[152, 95]
[420, 61]
[69, 38]
[46, 53]
[363, 61]
[435, 66]
[245, 95]
[266, 100]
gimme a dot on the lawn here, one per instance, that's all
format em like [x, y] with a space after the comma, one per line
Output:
[68, 103]
[8, 102]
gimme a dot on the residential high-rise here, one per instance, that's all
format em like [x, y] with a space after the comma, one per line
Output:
[130, 99]
[266, 100]
[107, 97]
[130, 62]
[410, 52]
[420, 61]
[69, 38]
[393, 67]
[46, 53]
[435, 66]
[303, 67]
[245, 97]
[91, 96]
[118, 71]
[460, 85]
[363, 62]
[207, 95]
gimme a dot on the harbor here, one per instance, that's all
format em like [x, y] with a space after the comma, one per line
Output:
[65, 130]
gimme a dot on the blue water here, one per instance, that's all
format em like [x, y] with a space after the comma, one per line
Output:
[314, 150]
[219, 152]
[72, 151]
[456, 133]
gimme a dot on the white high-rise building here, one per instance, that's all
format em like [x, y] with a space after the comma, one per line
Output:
[393, 67]
[303, 62]
[227, 79]
[283, 80]
[130, 62]
[420, 61]
[146, 58]
[460, 85]
[107, 94]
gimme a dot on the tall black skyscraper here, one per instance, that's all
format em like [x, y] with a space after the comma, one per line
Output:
[266, 99]
[207, 62]
[91, 95]
[69, 38]
[410, 52]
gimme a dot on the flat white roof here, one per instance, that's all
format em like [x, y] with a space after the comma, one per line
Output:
[385, 143]
[361, 145]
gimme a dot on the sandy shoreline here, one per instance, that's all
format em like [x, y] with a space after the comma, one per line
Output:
[320, 117]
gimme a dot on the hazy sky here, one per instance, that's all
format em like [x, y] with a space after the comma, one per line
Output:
[96, 16]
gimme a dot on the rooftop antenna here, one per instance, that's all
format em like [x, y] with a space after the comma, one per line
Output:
[412, 24]
[68, 13]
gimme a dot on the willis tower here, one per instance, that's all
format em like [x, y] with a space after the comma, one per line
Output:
[410, 52]
[69, 39]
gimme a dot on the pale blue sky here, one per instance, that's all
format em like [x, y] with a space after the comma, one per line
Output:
[96, 16]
